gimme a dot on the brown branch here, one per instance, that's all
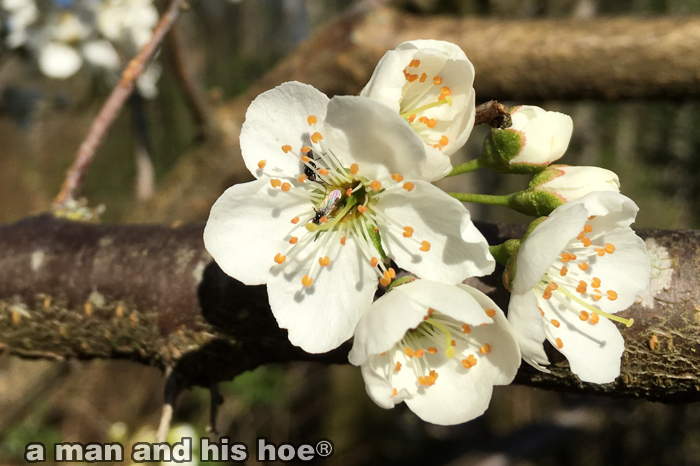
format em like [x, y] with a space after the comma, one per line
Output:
[110, 110]
[152, 294]
[493, 114]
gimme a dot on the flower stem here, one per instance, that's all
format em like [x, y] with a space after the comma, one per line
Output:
[482, 198]
[466, 167]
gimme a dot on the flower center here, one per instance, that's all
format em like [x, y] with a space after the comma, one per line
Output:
[427, 346]
[570, 283]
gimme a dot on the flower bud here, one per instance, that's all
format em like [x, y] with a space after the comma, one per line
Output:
[559, 184]
[535, 139]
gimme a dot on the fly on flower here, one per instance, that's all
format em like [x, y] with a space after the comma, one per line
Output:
[321, 245]
[327, 206]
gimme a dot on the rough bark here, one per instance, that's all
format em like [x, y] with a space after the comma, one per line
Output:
[152, 294]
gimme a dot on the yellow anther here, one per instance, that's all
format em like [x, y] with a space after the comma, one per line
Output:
[286, 148]
[423, 77]
[262, 164]
[560, 344]
[394, 392]
[396, 177]
[316, 137]
[295, 220]
[279, 258]
[361, 209]
[323, 171]
[286, 186]
[293, 240]
[307, 281]
[583, 315]
[375, 185]
[437, 80]
[424, 246]
[397, 367]
[342, 240]
[583, 266]
[490, 312]
[432, 123]
[305, 159]
[414, 63]
[354, 168]
[305, 150]
[595, 283]
[407, 232]
[555, 323]
[612, 295]
[486, 349]
[563, 271]
[311, 120]
[301, 178]
[588, 228]
[275, 183]
[466, 329]
[444, 140]
[432, 350]
[408, 352]
[609, 248]
[374, 261]
[324, 261]
[408, 186]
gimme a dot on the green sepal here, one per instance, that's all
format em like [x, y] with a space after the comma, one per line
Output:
[503, 252]
[534, 203]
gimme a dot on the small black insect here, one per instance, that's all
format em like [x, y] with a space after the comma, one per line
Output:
[310, 167]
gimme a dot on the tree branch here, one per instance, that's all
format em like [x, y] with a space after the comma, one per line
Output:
[152, 294]
[110, 110]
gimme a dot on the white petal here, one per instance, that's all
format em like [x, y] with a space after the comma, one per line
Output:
[59, 61]
[626, 271]
[594, 351]
[539, 251]
[387, 81]
[102, 54]
[277, 118]
[457, 249]
[612, 210]
[385, 322]
[248, 225]
[452, 51]
[528, 328]
[505, 354]
[521, 115]
[546, 139]
[363, 131]
[378, 387]
[320, 318]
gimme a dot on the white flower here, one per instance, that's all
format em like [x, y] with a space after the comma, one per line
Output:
[328, 173]
[569, 183]
[559, 184]
[546, 135]
[572, 273]
[438, 347]
[101, 54]
[430, 83]
[20, 15]
[127, 22]
[60, 61]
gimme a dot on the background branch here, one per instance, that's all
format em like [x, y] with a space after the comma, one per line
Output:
[152, 294]
[75, 176]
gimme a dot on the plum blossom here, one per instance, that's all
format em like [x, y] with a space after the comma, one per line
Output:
[575, 270]
[430, 84]
[339, 190]
[440, 348]
[559, 184]
[535, 139]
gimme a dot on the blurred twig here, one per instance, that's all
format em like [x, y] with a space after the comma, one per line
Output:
[194, 96]
[100, 126]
